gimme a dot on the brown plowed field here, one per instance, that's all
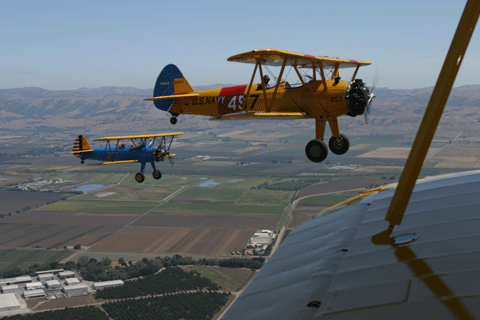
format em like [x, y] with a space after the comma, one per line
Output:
[53, 217]
[340, 185]
[175, 240]
[295, 221]
[208, 221]
[51, 236]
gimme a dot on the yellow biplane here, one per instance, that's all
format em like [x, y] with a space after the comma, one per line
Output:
[319, 95]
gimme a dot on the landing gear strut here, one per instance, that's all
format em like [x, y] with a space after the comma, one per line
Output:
[316, 150]
[339, 145]
[139, 177]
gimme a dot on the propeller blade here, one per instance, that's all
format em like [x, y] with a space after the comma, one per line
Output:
[172, 161]
[365, 121]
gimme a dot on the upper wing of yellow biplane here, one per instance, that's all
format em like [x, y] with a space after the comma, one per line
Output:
[274, 57]
[142, 136]
[263, 116]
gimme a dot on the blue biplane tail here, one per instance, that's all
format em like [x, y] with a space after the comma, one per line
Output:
[170, 82]
[80, 144]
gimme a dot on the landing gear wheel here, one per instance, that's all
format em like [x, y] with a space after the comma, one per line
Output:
[157, 174]
[139, 177]
[82, 162]
[339, 145]
[173, 120]
[316, 150]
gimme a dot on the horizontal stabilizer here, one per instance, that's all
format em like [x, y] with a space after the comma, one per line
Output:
[81, 151]
[184, 95]
[112, 162]
[263, 116]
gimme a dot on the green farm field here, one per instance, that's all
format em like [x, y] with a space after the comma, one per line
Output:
[265, 197]
[12, 258]
[213, 194]
[324, 199]
[107, 206]
[222, 208]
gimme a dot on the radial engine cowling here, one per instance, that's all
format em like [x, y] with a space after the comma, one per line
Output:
[159, 154]
[357, 97]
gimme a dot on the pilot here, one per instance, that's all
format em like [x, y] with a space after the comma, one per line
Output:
[122, 146]
[266, 79]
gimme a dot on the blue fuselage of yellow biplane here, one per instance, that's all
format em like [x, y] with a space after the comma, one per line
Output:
[114, 153]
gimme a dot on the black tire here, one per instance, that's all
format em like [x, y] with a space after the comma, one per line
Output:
[139, 177]
[173, 120]
[339, 145]
[316, 150]
[157, 174]
[82, 161]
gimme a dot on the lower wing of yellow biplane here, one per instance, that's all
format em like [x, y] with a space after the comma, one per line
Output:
[263, 116]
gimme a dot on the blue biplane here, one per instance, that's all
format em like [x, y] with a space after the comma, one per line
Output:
[138, 151]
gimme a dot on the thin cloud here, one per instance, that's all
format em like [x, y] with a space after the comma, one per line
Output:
[25, 72]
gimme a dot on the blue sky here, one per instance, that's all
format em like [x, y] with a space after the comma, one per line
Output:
[60, 45]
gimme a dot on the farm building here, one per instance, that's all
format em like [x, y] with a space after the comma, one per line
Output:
[10, 288]
[45, 276]
[107, 284]
[9, 302]
[23, 279]
[16, 280]
[76, 289]
[33, 286]
[66, 274]
[49, 271]
[71, 281]
[37, 293]
[53, 284]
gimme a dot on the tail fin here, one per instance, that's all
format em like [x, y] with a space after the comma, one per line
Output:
[170, 82]
[81, 144]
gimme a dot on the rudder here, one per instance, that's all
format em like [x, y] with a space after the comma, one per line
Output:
[170, 82]
[81, 144]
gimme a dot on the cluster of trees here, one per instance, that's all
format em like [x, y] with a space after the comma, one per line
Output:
[282, 161]
[82, 313]
[254, 263]
[187, 306]
[289, 185]
[170, 280]
[93, 270]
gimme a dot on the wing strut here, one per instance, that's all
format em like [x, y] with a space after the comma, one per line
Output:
[430, 119]
[269, 108]
[250, 86]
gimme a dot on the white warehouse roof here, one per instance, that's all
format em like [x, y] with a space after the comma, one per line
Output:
[33, 285]
[75, 288]
[106, 284]
[44, 276]
[12, 287]
[67, 273]
[8, 301]
[49, 271]
[53, 283]
[34, 293]
[72, 281]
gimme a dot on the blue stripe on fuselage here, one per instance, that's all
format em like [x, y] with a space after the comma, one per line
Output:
[113, 153]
